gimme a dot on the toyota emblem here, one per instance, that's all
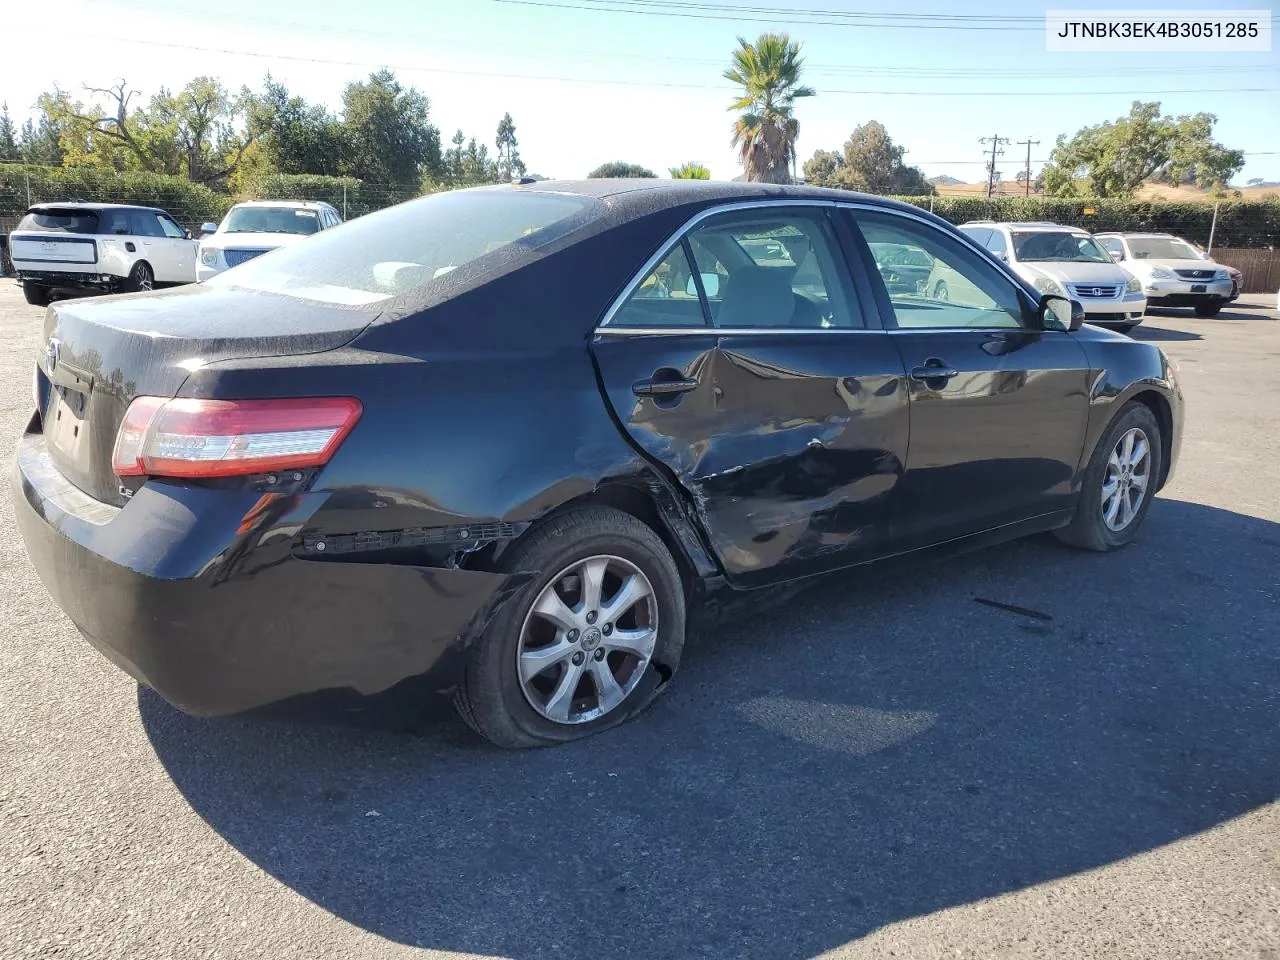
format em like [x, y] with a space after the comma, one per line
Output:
[51, 351]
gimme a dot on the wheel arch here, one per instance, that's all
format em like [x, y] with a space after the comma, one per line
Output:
[1159, 406]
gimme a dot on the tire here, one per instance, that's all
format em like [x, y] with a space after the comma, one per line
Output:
[36, 295]
[492, 697]
[1089, 528]
[940, 291]
[141, 278]
[1207, 309]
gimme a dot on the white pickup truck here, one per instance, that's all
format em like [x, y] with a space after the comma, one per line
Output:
[100, 248]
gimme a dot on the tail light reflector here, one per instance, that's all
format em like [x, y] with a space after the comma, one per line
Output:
[228, 438]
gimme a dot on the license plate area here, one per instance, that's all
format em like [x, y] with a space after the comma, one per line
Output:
[66, 424]
[1198, 288]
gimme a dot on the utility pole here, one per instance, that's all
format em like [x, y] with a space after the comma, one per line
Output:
[1028, 144]
[995, 140]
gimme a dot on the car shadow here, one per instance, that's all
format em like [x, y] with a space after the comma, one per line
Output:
[1161, 334]
[871, 750]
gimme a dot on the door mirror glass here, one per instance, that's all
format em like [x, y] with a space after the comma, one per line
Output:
[1059, 313]
[208, 228]
[1117, 255]
[710, 283]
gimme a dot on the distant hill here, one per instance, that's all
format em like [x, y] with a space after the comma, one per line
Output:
[945, 181]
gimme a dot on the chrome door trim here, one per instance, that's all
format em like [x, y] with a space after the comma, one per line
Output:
[726, 331]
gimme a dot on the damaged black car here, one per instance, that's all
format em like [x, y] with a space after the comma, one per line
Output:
[504, 440]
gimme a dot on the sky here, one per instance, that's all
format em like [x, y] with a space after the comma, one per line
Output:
[587, 85]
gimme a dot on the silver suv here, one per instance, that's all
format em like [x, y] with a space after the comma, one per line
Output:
[1171, 271]
[1065, 262]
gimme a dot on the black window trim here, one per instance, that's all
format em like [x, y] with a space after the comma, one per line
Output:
[870, 310]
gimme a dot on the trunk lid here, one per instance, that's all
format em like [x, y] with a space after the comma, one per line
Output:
[100, 354]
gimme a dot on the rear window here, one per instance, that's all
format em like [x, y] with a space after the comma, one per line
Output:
[459, 235]
[60, 221]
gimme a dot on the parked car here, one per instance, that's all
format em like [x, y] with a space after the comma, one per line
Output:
[1065, 262]
[1172, 272]
[256, 227]
[80, 248]
[470, 439]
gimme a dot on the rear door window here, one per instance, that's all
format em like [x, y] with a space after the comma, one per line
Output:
[60, 221]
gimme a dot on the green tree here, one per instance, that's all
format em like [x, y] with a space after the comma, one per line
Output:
[389, 133]
[8, 136]
[294, 136]
[690, 171]
[477, 168]
[41, 142]
[765, 133]
[618, 168]
[1115, 158]
[870, 162]
[191, 133]
[510, 166]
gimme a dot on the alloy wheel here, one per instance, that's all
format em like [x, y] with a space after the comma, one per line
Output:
[587, 639]
[1125, 482]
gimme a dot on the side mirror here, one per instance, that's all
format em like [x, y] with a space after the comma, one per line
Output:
[1000, 255]
[710, 283]
[208, 228]
[1059, 313]
[1117, 255]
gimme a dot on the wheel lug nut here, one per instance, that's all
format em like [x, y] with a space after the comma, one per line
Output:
[607, 629]
[578, 658]
[573, 636]
[591, 616]
[599, 653]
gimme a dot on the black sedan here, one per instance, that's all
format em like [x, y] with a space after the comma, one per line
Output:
[504, 440]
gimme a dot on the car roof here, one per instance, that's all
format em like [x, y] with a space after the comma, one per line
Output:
[1122, 233]
[1031, 225]
[290, 204]
[86, 205]
[639, 196]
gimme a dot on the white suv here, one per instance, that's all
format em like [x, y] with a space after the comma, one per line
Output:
[259, 226]
[1172, 272]
[99, 248]
[1066, 262]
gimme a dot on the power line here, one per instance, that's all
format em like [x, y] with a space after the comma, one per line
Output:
[333, 61]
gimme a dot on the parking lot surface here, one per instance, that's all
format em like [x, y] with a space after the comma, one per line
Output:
[876, 768]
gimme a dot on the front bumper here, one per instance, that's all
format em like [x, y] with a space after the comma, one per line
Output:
[205, 272]
[1179, 293]
[197, 593]
[1121, 311]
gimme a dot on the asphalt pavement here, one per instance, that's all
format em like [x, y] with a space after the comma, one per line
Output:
[879, 767]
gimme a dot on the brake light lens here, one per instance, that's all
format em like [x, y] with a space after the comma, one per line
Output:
[228, 438]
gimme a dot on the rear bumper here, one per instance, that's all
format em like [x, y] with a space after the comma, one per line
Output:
[69, 279]
[196, 593]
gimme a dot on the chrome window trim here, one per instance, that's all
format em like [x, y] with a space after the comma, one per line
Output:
[675, 239]
[726, 331]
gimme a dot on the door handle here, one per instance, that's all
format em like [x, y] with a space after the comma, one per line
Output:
[663, 388]
[933, 370]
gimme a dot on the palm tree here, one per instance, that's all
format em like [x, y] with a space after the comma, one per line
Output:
[765, 134]
[690, 171]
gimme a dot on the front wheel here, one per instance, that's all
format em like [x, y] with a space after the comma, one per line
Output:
[587, 642]
[36, 295]
[1118, 483]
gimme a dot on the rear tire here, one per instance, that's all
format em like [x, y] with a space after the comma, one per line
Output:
[1094, 526]
[141, 278]
[514, 711]
[1207, 309]
[36, 295]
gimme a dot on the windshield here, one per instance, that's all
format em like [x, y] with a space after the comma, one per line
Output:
[60, 221]
[386, 254]
[1163, 248]
[1059, 246]
[271, 220]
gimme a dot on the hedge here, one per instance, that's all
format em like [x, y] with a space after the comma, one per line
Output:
[190, 203]
[1241, 223]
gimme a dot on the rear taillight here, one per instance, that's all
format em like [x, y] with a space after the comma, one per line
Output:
[228, 438]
